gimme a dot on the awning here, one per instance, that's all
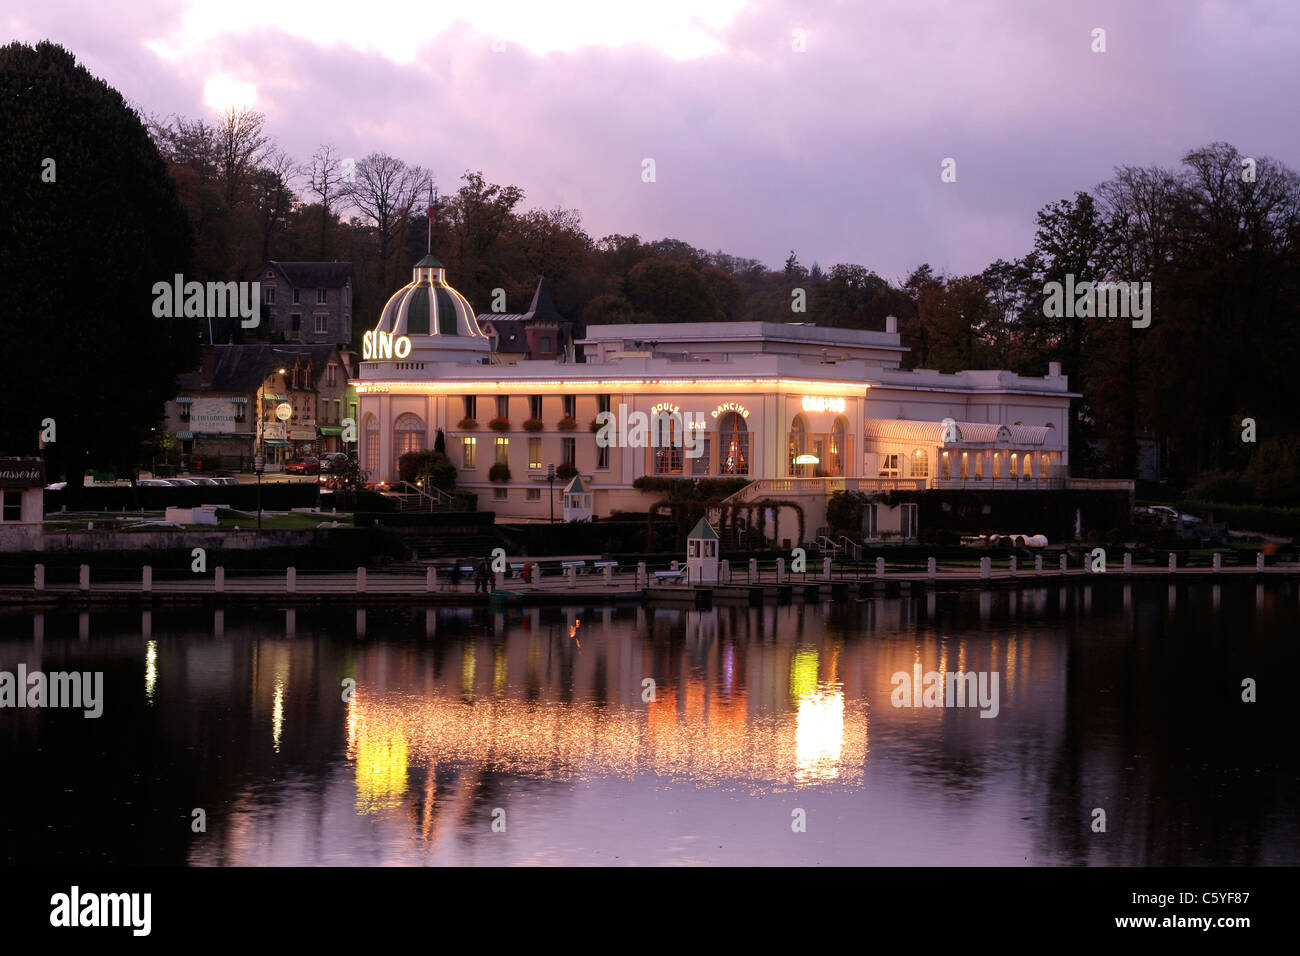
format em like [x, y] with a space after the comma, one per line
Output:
[184, 400]
[331, 431]
[275, 443]
[274, 397]
[184, 435]
[240, 399]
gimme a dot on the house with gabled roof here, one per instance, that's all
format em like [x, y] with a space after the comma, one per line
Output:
[306, 302]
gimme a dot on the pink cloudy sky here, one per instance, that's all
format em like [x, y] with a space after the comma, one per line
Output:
[834, 151]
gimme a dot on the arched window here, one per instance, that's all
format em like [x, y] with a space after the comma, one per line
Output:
[798, 443]
[839, 440]
[920, 467]
[945, 466]
[733, 445]
[408, 435]
[371, 431]
[1044, 467]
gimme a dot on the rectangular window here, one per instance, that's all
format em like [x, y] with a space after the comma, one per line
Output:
[888, 466]
[469, 449]
[668, 460]
[700, 466]
[546, 345]
[13, 506]
[602, 456]
[532, 494]
[920, 464]
[295, 296]
[535, 406]
[295, 322]
[503, 450]
[909, 521]
[870, 516]
[499, 494]
[503, 406]
[570, 406]
[534, 453]
[569, 451]
[322, 324]
[945, 465]
[241, 412]
[322, 297]
[602, 403]
[331, 371]
[185, 411]
[268, 295]
[471, 406]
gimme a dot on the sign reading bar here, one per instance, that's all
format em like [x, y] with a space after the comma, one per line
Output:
[22, 473]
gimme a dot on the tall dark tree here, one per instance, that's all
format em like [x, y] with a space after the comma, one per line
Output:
[89, 223]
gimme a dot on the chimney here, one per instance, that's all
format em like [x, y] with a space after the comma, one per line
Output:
[208, 365]
[1053, 369]
[891, 324]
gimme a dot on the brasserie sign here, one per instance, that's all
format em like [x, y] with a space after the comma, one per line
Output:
[22, 473]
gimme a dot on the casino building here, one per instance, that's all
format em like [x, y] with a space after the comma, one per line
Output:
[798, 409]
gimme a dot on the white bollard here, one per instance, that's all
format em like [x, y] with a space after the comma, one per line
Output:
[1173, 561]
[290, 580]
[780, 570]
[880, 567]
[39, 583]
[931, 568]
[146, 579]
[826, 569]
[1259, 561]
[724, 571]
[499, 580]
[219, 580]
[609, 575]
[572, 573]
[1065, 562]
[361, 580]
[84, 578]
[1038, 564]
[673, 566]
[640, 574]
[1218, 561]
[986, 567]
[686, 576]
[753, 570]
[431, 579]
[1128, 563]
[1013, 565]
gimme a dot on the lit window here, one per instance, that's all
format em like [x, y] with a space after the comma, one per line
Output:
[920, 464]
[888, 466]
[469, 451]
[534, 453]
[503, 450]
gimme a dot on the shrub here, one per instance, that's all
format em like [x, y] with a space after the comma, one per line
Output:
[595, 425]
[533, 425]
[499, 424]
[499, 472]
[565, 472]
[1229, 489]
[467, 424]
[567, 424]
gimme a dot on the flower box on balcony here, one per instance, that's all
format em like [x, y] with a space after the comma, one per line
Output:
[499, 472]
[595, 425]
[565, 472]
[567, 424]
[533, 425]
[467, 424]
[499, 424]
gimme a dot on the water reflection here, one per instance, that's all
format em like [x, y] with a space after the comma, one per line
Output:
[1108, 697]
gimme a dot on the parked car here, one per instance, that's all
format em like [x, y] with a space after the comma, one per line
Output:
[182, 482]
[57, 486]
[153, 483]
[203, 481]
[302, 466]
[1165, 513]
[331, 460]
[224, 480]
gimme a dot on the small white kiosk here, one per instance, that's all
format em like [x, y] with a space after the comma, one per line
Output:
[577, 501]
[702, 553]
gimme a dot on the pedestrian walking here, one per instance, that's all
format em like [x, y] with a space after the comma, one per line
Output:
[454, 575]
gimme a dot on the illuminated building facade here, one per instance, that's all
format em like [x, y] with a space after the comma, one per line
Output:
[798, 409]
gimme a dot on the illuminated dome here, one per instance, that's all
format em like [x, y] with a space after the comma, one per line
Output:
[433, 315]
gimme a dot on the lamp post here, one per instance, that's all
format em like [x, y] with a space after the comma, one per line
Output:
[550, 477]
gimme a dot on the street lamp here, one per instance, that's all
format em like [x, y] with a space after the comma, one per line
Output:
[550, 477]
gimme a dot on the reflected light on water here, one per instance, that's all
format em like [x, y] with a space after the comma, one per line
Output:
[819, 733]
[150, 670]
[277, 713]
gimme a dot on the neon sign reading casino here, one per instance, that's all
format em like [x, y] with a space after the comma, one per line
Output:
[384, 345]
[821, 403]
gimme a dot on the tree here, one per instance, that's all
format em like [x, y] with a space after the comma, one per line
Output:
[325, 182]
[671, 292]
[242, 145]
[384, 191]
[107, 224]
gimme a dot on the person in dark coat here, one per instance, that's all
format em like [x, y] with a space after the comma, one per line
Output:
[454, 574]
